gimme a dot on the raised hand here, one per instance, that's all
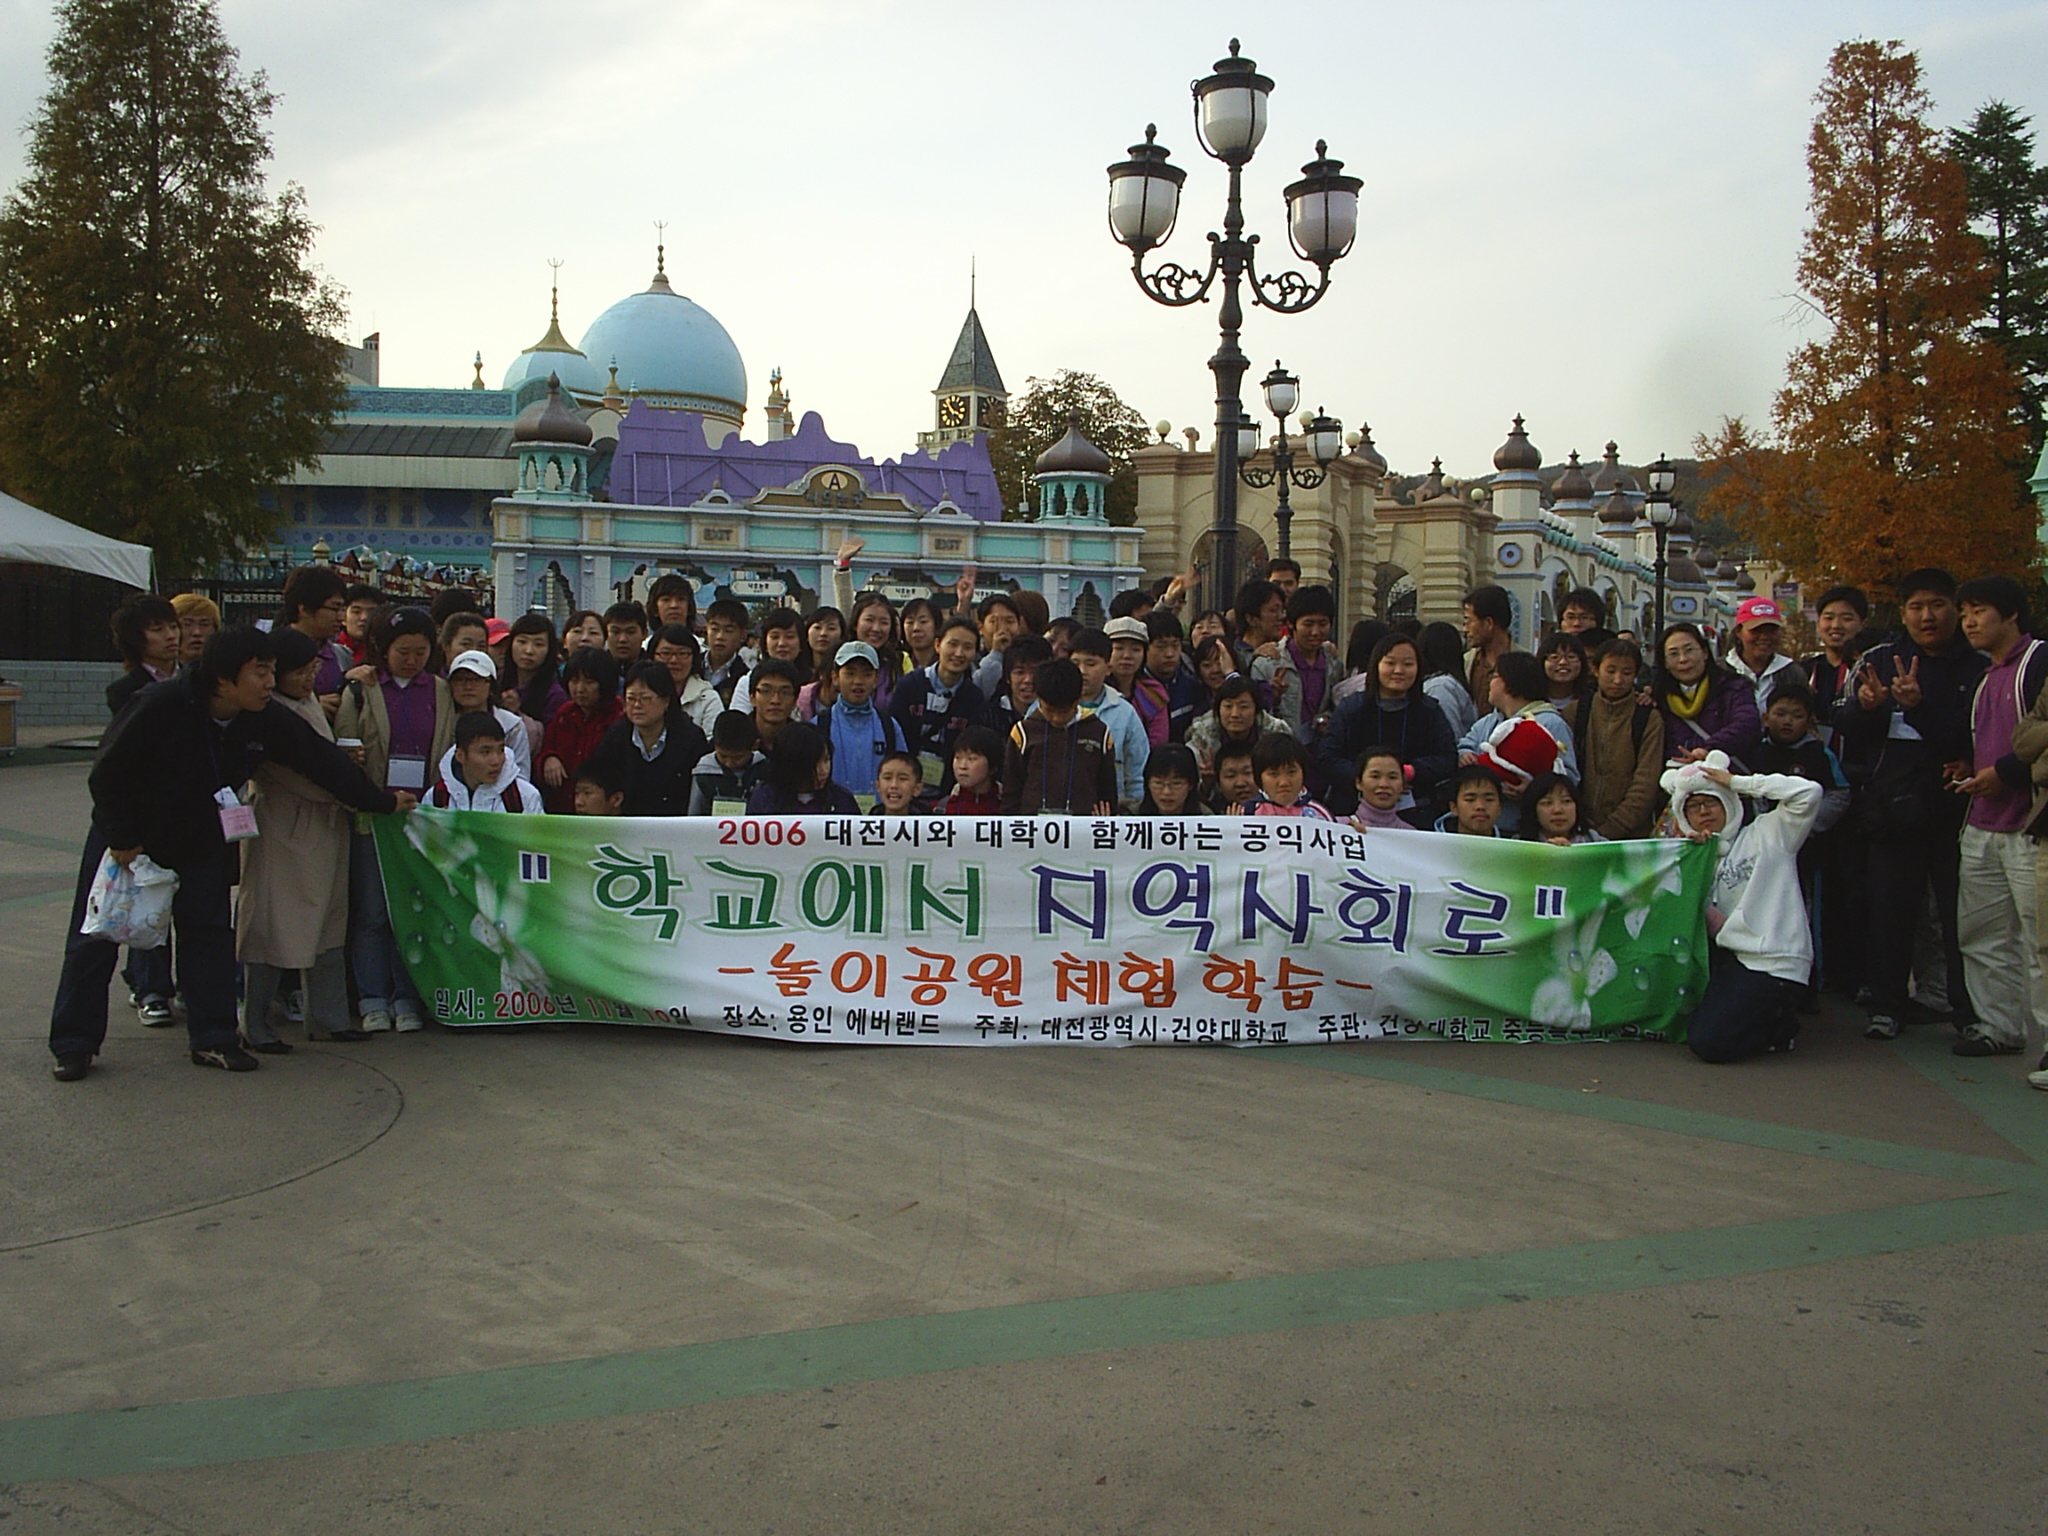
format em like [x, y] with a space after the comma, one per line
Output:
[1906, 685]
[852, 546]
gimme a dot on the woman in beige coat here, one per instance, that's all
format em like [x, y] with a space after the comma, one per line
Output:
[291, 908]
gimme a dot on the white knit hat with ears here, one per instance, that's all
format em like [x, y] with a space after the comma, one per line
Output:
[1683, 782]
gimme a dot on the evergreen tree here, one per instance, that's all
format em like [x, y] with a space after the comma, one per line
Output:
[2008, 203]
[1040, 417]
[1892, 441]
[166, 353]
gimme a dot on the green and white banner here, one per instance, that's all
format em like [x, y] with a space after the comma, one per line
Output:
[934, 930]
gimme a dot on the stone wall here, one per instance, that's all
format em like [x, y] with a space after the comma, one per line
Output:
[61, 692]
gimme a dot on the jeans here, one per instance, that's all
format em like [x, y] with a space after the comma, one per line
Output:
[1996, 925]
[203, 920]
[326, 996]
[382, 985]
[1899, 875]
[148, 972]
[1744, 1013]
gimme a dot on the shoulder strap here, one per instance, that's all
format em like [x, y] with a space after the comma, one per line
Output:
[1638, 723]
[513, 801]
[438, 796]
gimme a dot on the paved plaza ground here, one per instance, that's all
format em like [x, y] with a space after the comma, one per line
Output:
[610, 1280]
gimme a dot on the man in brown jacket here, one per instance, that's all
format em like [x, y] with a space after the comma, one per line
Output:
[1620, 746]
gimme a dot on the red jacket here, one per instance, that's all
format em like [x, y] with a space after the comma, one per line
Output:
[572, 735]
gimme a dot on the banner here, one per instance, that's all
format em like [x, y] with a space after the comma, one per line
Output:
[935, 930]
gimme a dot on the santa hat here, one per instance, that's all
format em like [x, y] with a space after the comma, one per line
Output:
[1518, 750]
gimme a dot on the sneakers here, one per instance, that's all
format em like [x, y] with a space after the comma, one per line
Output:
[294, 1008]
[155, 1012]
[376, 1021]
[69, 1069]
[1882, 1026]
[2037, 1078]
[409, 1023]
[1975, 1042]
[229, 1058]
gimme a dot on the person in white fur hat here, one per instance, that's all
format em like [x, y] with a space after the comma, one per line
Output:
[1756, 917]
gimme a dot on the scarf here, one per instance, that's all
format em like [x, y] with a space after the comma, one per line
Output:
[1688, 702]
[1370, 817]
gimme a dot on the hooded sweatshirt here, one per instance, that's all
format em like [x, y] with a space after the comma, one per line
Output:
[1754, 908]
[451, 792]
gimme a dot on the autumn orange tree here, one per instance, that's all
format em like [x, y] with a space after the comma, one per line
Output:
[1889, 447]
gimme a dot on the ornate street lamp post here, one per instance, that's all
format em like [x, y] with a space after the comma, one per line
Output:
[1325, 444]
[1322, 221]
[1660, 509]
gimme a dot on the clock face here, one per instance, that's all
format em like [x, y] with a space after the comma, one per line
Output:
[992, 413]
[953, 411]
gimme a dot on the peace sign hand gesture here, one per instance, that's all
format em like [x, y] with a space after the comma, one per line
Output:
[1906, 691]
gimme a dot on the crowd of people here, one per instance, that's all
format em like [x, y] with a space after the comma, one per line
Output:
[1875, 801]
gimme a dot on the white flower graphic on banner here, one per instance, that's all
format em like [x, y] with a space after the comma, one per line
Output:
[1565, 997]
[1645, 869]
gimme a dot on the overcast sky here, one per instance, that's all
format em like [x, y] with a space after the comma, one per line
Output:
[1588, 213]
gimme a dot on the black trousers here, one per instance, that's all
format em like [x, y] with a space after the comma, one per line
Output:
[203, 924]
[1897, 877]
[1744, 1012]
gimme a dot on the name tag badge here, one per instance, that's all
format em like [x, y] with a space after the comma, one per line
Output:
[728, 807]
[934, 771]
[406, 773]
[237, 821]
[866, 803]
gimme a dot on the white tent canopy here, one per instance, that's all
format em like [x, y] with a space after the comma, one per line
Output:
[40, 539]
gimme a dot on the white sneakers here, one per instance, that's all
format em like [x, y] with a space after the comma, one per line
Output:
[376, 1022]
[409, 1023]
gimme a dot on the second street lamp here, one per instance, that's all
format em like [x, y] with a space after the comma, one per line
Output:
[1660, 509]
[1325, 445]
[1322, 222]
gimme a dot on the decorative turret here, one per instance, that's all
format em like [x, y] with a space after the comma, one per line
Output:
[1517, 456]
[1573, 486]
[1073, 477]
[614, 397]
[553, 442]
[781, 421]
[1370, 454]
[478, 381]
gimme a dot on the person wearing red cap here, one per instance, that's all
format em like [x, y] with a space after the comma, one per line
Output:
[1756, 658]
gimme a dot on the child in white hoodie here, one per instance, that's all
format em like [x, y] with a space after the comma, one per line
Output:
[1755, 914]
[477, 774]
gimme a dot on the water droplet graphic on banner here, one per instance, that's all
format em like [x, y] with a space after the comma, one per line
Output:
[448, 935]
[415, 949]
[1575, 961]
[1641, 978]
[419, 902]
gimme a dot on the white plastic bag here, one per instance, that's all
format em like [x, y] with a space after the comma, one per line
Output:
[130, 905]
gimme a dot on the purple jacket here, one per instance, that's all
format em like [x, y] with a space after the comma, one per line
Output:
[1728, 721]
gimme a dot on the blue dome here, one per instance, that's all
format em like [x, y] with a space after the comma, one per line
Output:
[670, 352]
[579, 375]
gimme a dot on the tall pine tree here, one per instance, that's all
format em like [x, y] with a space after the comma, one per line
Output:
[2008, 202]
[166, 353]
[1892, 442]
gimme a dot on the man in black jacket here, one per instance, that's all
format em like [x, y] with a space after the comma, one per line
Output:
[1905, 731]
[167, 782]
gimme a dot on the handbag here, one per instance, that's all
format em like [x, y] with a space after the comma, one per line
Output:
[130, 903]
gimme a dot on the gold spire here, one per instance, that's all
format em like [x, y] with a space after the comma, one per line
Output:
[554, 341]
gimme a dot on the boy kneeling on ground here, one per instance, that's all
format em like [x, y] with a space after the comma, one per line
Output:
[1755, 917]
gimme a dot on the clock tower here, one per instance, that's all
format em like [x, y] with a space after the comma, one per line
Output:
[970, 397]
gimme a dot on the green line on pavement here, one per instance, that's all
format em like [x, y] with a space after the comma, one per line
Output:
[113, 1442]
[37, 899]
[37, 840]
[1986, 1086]
[1383, 1064]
